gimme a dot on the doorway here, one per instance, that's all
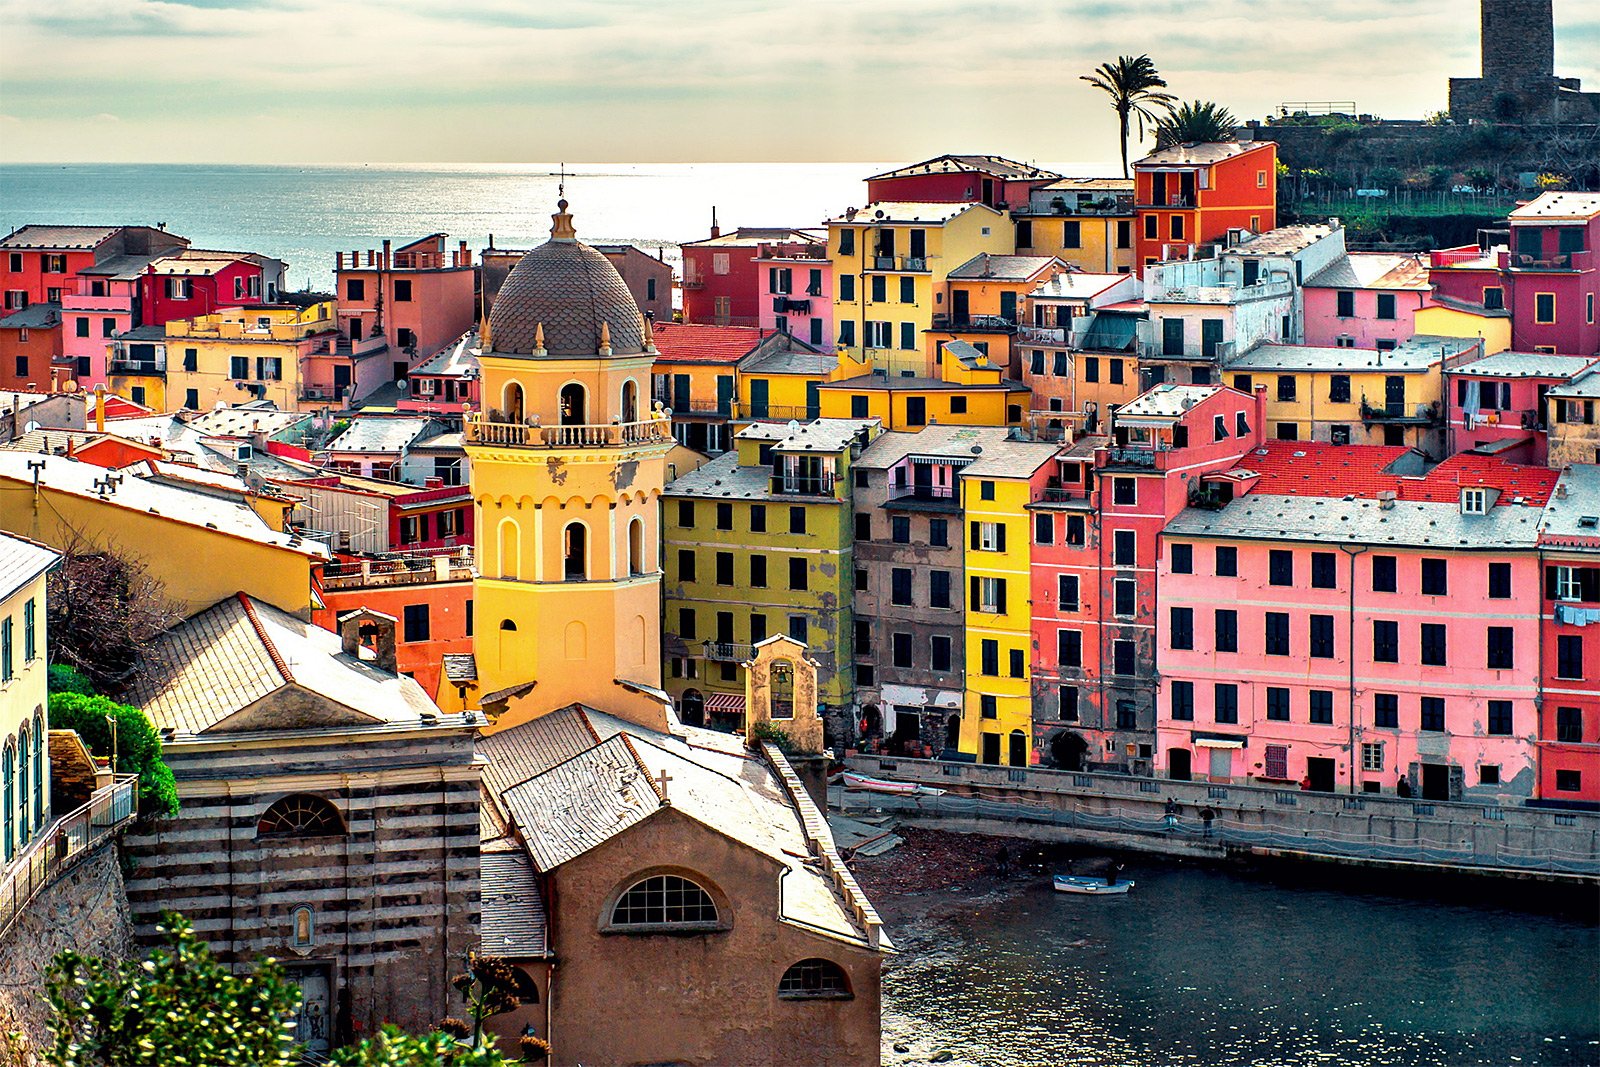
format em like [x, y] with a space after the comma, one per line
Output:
[1435, 781]
[1019, 749]
[1178, 765]
[1067, 750]
[694, 707]
[313, 1022]
[958, 307]
[1221, 769]
[907, 729]
[573, 405]
[1320, 771]
[991, 749]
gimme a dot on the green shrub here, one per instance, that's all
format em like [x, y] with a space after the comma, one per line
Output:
[138, 746]
[65, 679]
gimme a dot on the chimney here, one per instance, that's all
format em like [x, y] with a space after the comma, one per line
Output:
[464, 257]
[1386, 499]
[386, 257]
[716, 231]
[100, 409]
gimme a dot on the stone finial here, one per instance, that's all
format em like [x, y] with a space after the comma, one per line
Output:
[649, 333]
[485, 336]
[605, 338]
[562, 229]
[538, 337]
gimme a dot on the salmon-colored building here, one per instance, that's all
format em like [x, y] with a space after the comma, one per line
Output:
[993, 180]
[1569, 713]
[1344, 618]
[419, 297]
[30, 342]
[1193, 194]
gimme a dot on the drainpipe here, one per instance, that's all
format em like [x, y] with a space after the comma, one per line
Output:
[1350, 654]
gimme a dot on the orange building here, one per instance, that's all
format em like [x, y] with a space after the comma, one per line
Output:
[419, 297]
[30, 339]
[1193, 194]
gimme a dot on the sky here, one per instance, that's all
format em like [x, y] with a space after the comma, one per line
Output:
[506, 81]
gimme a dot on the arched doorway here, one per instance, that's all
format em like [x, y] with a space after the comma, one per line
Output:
[630, 401]
[952, 733]
[871, 720]
[694, 708]
[575, 552]
[1067, 750]
[511, 402]
[574, 407]
[1019, 749]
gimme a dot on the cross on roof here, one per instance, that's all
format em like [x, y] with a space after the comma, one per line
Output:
[662, 779]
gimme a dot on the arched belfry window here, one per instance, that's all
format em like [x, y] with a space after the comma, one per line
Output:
[630, 401]
[575, 552]
[511, 402]
[815, 979]
[574, 408]
[664, 900]
[636, 548]
[300, 815]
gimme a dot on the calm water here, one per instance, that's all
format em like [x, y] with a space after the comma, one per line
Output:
[304, 214]
[1201, 967]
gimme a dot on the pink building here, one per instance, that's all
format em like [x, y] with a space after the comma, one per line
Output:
[1366, 300]
[1348, 619]
[722, 276]
[418, 298]
[1547, 274]
[1569, 719]
[992, 180]
[795, 293]
[443, 384]
[1500, 403]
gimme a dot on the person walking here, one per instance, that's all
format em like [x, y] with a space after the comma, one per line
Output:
[1206, 816]
[1171, 814]
[1402, 788]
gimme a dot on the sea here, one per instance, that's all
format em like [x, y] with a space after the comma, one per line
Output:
[305, 214]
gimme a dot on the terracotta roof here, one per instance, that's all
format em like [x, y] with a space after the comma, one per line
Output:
[681, 343]
[1316, 468]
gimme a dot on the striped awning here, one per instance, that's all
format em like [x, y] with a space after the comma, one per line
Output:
[725, 702]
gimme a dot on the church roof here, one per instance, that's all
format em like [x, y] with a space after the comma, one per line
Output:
[511, 909]
[570, 289]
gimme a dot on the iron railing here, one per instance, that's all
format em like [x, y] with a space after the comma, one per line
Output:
[520, 435]
[60, 845]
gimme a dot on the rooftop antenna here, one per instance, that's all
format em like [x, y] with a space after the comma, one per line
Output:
[561, 186]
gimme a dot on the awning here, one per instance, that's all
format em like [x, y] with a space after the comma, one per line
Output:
[1111, 332]
[919, 696]
[725, 702]
[1213, 742]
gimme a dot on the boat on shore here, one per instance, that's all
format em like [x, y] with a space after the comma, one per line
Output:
[883, 785]
[1094, 887]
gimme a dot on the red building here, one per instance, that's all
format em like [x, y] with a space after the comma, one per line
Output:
[1193, 194]
[1569, 712]
[199, 281]
[1096, 539]
[1500, 403]
[721, 275]
[40, 264]
[30, 342]
[992, 180]
[1547, 275]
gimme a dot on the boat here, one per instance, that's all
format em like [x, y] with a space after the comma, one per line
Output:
[1094, 887]
[883, 785]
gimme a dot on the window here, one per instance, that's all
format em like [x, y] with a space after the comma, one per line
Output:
[1124, 491]
[1277, 704]
[900, 649]
[1346, 302]
[958, 405]
[988, 706]
[1127, 716]
[686, 514]
[908, 334]
[1383, 574]
[1280, 567]
[1286, 387]
[1183, 701]
[1019, 663]
[1044, 529]
[1152, 227]
[939, 658]
[1499, 581]
[1075, 529]
[1434, 580]
[863, 526]
[1324, 568]
[1432, 715]
[985, 490]
[815, 979]
[416, 623]
[686, 623]
[900, 586]
[724, 516]
[1182, 559]
[1227, 630]
[799, 628]
[797, 520]
[847, 243]
[300, 815]
[1386, 710]
[1182, 628]
[797, 573]
[108, 327]
[664, 900]
[1569, 781]
[1339, 389]
[1277, 640]
[989, 595]
[1227, 561]
[191, 359]
[1322, 637]
[1177, 228]
[355, 289]
[1544, 307]
[1385, 641]
[1115, 367]
[989, 536]
[1433, 641]
[758, 518]
[938, 589]
[1226, 707]
[1069, 648]
[1071, 234]
[686, 558]
[1494, 297]
[939, 533]
[724, 568]
[1569, 656]
[900, 529]
[7, 664]
[30, 636]
[1122, 548]
[1124, 597]
[1386, 305]
[402, 291]
[1122, 658]
[1500, 655]
[1569, 725]
[1067, 703]
[1500, 718]
[1091, 368]
[1322, 706]
[1372, 755]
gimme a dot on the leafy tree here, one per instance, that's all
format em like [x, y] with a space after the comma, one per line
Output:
[105, 612]
[138, 746]
[1200, 122]
[393, 1047]
[490, 987]
[1132, 83]
[65, 679]
[180, 1008]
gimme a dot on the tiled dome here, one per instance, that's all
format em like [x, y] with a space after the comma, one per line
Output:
[571, 289]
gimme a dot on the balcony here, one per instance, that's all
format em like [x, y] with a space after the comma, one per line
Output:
[1171, 200]
[694, 281]
[785, 305]
[974, 323]
[898, 264]
[401, 570]
[1137, 458]
[941, 498]
[775, 412]
[64, 842]
[1399, 413]
[481, 431]
[1042, 335]
[120, 365]
[803, 484]
[727, 652]
[1577, 260]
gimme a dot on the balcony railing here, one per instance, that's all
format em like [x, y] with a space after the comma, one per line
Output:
[1042, 335]
[787, 305]
[521, 435]
[899, 264]
[728, 652]
[60, 845]
[1144, 458]
[1400, 412]
[804, 484]
[403, 570]
[775, 412]
[922, 492]
[138, 366]
[694, 281]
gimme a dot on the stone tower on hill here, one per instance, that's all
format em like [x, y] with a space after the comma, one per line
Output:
[1519, 83]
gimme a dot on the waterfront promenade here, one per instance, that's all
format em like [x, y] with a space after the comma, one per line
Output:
[1129, 811]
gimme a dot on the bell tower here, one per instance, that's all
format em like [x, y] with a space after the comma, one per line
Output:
[568, 465]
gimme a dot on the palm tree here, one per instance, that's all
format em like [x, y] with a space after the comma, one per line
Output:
[1200, 122]
[1132, 83]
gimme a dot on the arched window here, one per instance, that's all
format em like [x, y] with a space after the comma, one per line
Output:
[507, 624]
[511, 402]
[38, 766]
[664, 900]
[10, 770]
[630, 401]
[573, 406]
[300, 815]
[510, 549]
[24, 817]
[815, 979]
[694, 707]
[1019, 749]
[304, 929]
[575, 552]
[636, 548]
[782, 689]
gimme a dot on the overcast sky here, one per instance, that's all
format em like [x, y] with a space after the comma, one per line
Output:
[685, 80]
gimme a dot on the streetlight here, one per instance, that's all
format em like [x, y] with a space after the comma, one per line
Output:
[111, 720]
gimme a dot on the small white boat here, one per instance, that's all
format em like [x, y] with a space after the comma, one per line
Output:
[881, 785]
[1094, 887]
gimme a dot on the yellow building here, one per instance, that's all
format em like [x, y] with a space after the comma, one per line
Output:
[567, 471]
[890, 264]
[239, 354]
[986, 297]
[137, 367]
[1451, 318]
[780, 384]
[970, 390]
[24, 691]
[1353, 395]
[996, 489]
[1087, 222]
[202, 548]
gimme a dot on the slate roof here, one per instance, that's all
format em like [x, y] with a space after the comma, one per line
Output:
[818, 435]
[21, 561]
[1373, 270]
[126, 267]
[723, 479]
[514, 755]
[1075, 285]
[1124, 185]
[1572, 515]
[1359, 520]
[684, 343]
[956, 443]
[460, 667]
[1559, 206]
[748, 236]
[382, 433]
[33, 317]
[988, 267]
[1200, 153]
[1282, 241]
[793, 357]
[901, 383]
[243, 421]
[1526, 365]
[75, 238]
[908, 211]
[571, 289]
[1009, 459]
[458, 358]
[240, 650]
[582, 802]
[1585, 386]
[512, 920]
[1419, 353]
[996, 166]
[1167, 400]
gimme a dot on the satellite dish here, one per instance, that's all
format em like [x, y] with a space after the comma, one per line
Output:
[30, 427]
[402, 384]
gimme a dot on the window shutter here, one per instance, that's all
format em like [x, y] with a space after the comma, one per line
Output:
[1000, 594]
[1551, 574]
[975, 593]
[975, 535]
[1000, 534]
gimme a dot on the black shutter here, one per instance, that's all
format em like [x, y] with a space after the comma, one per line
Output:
[1001, 527]
[1000, 587]
[975, 597]
[975, 541]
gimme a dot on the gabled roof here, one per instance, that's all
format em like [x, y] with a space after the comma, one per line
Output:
[247, 419]
[749, 236]
[1527, 365]
[33, 317]
[21, 561]
[782, 353]
[201, 261]
[1418, 353]
[1572, 515]
[958, 444]
[1075, 285]
[986, 266]
[994, 166]
[1168, 400]
[1559, 207]
[930, 214]
[1201, 153]
[512, 921]
[1373, 270]
[65, 238]
[685, 343]
[383, 433]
